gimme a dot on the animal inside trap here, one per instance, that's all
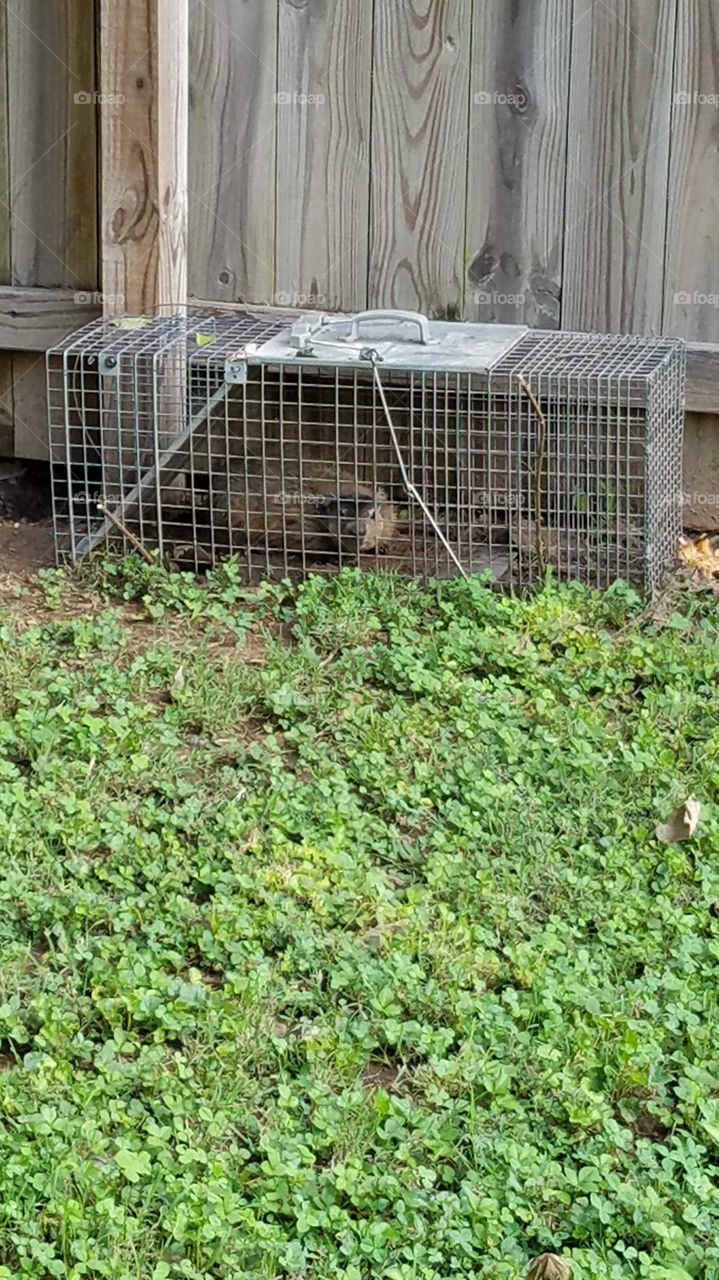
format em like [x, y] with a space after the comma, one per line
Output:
[382, 439]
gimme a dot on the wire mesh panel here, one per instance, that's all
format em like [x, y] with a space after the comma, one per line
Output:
[435, 450]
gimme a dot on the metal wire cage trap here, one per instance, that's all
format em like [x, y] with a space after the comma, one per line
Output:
[384, 440]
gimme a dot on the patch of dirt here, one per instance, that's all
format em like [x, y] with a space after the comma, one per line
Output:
[24, 548]
[26, 539]
[380, 1075]
[647, 1125]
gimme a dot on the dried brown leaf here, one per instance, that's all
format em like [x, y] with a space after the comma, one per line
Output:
[549, 1266]
[681, 824]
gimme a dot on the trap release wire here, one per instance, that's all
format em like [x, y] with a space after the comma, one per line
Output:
[412, 491]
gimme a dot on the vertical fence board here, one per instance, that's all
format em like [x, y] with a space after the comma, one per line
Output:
[53, 173]
[233, 66]
[419, 154]
[700, 480]
[517, 152]
[619, 121]
[144, 48]
[6, 359]
[30, 406]
[5, 183]
[323, 122]
[691, 300]
[7, 406]
[52, 181]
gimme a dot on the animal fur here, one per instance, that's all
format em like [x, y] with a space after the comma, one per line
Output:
[325, 511]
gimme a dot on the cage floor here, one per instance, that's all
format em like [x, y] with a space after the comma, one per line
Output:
[512, 556]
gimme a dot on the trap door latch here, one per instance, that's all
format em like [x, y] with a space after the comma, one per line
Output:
[236, 372]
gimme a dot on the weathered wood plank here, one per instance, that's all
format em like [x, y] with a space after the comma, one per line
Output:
[5, 182]
[29, 389]
[618, 150]
[7, 400]
[172, 104]
[700, 481]
[323, 143]
[519, 101]
[691, 302]
[233, 65]
[7, 406]
[35, 319]
[703, 377]
[144, 73]
[419, 154]
[51, 98]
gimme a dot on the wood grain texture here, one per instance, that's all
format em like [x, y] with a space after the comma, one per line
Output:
[519, 101]
[144, 61]
[618, 149]
[35, 319]
[7, 406]
[51, 87]
[700, 481]
[233, 68]
[419, 154]
[173, 60]
[323, 142]
[7, 398]
[703, 377]
[691, 300]
[5, 182]
[29, 389]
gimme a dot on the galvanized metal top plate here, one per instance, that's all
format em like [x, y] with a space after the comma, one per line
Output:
[397, 340]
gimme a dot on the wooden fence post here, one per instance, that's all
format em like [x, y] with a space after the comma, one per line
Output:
[144, 81]
[144, 108]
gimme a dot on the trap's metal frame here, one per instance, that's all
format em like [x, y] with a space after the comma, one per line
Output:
[385, 439]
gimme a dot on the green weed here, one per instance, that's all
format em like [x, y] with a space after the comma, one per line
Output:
[337, 941]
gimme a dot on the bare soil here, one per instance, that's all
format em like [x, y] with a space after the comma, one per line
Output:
[26, 540]
[25, 547]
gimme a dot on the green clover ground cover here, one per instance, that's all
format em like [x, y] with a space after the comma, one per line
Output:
[337, 940]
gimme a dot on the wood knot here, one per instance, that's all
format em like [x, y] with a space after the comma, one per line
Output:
[483, 265]
[520, 100]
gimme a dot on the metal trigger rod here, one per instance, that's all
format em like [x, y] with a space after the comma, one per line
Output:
[405, 478]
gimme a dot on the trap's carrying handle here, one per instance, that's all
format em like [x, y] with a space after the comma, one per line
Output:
[400, 317]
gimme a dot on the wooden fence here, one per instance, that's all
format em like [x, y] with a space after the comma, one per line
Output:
[548, 161]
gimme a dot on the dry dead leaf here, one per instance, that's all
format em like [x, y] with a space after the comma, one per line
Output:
[681, 824]
[179, 680]
[701, 554]
[549, 1266]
